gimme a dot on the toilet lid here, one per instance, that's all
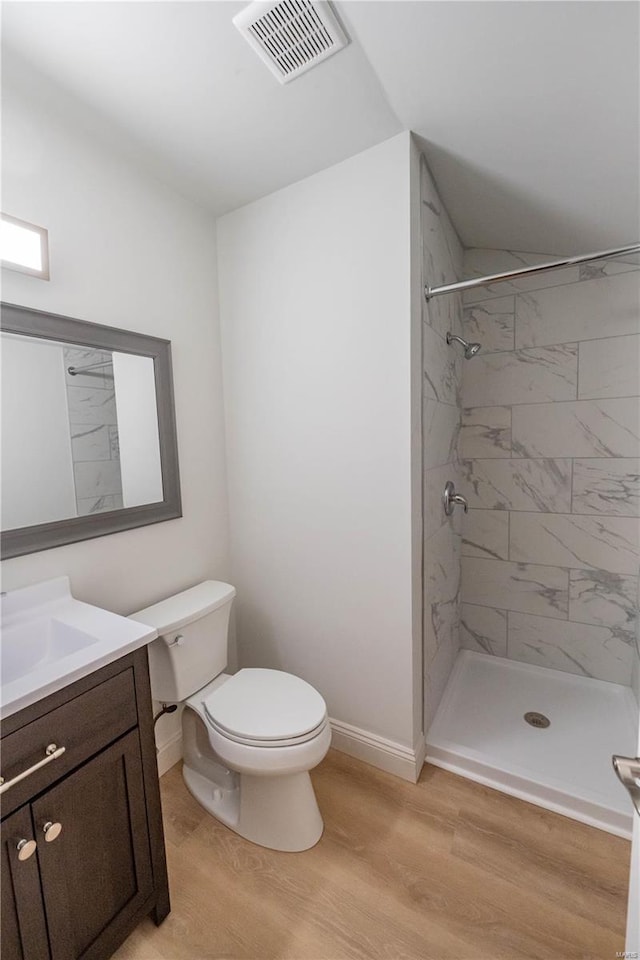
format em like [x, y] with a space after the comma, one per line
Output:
[265, 706]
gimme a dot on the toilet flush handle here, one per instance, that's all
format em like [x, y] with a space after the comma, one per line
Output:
[178, 641]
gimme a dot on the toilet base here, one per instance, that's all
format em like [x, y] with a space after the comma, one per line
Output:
[280, 812]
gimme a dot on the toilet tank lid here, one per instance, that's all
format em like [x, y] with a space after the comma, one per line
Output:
[185, 607]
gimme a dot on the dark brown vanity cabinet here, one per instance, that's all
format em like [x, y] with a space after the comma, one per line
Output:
[82, 843]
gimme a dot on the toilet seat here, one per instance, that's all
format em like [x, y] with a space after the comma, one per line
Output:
[266, 744]
[265, 708]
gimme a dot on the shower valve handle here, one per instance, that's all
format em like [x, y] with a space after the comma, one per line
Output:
[450, 499]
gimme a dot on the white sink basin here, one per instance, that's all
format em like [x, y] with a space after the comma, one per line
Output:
[31, 646]
[49, 639]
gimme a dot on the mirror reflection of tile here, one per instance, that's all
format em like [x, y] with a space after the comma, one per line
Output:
[93, 424]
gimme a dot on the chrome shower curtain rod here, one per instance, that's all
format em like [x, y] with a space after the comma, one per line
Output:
[74, 371]
[430, 292]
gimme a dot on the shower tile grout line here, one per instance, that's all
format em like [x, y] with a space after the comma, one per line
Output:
[544, 616]
[553, 513]
[538, 403]
[553, 286]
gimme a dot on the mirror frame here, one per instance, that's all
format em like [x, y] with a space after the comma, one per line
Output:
[50, 326]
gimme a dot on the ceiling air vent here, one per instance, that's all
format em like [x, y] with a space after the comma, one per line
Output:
[291, 36]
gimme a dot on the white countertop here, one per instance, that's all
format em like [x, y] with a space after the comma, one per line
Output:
[49, 639]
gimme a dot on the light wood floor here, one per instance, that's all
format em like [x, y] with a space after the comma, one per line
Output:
[447, 868]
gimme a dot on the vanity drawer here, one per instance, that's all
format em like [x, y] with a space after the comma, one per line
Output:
[83, 726]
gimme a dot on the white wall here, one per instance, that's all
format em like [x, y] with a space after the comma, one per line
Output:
[36, 439]
[316, 325]
[127, 252]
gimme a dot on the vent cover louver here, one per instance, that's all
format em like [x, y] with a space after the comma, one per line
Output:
[291, 36]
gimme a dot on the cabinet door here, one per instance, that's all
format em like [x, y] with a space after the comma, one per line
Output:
[24, 935]
[96, 871]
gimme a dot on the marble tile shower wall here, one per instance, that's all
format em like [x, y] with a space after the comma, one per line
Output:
[550, 441]
[442, 369]
[94, 432]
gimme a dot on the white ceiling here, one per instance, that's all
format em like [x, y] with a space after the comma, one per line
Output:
[528, 111]
[178, 78]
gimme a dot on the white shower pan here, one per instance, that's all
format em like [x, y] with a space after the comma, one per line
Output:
[480, 733]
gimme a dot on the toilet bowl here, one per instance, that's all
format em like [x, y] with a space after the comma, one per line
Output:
[270, 800]
[249, 739]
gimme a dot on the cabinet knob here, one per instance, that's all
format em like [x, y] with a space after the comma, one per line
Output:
[26, 848]
[51, 830]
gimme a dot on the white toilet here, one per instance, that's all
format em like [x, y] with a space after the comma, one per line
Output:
[249, 740]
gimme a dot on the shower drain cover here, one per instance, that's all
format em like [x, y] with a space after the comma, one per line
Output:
[537, 719]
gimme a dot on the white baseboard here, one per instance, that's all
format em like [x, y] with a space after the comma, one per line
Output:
[385, 754]
[170, 753]
[421, 755]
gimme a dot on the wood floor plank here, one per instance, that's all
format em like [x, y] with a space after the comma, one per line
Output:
[468, 897]
[585, 886]
[443, 869]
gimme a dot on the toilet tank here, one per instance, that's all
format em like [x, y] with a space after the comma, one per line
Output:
[191, 648]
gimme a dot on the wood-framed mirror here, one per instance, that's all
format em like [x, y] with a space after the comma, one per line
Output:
[89, 443]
